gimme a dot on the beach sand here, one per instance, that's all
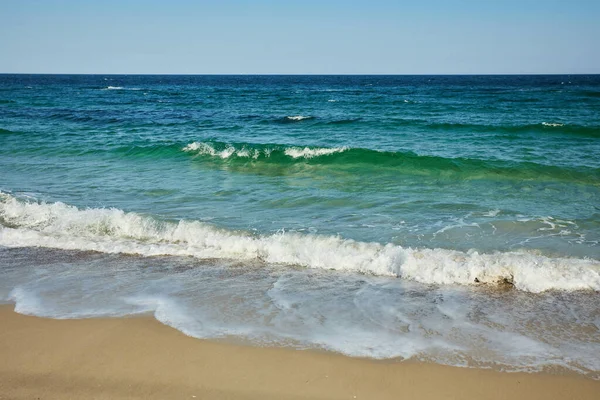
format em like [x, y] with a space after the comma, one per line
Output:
[124, 358]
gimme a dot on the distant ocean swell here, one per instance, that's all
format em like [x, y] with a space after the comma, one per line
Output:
[57, 225]
[542, 127]
[501, 128]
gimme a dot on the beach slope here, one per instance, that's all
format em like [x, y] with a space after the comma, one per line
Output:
[125, 358]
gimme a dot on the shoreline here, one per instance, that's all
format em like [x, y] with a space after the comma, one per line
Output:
[113, 358]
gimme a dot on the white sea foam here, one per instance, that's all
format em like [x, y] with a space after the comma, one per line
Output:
[230, 150]
[121, 88]
[26, 303]
[298, 117]
[492, 213]
[57, 225]
[552, 124]
[306, 152]
[357, 315]
[208, 149]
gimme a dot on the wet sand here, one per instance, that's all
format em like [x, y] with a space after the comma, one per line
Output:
[125, 358]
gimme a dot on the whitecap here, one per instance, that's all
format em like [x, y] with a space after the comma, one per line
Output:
[57, 225]
[204, 148]
[492, 213]
[306, 152]
[298, 117]
[230, 150]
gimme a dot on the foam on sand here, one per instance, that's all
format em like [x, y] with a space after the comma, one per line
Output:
[158, 374]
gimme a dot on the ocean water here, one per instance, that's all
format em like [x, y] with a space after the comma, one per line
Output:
[451, 219]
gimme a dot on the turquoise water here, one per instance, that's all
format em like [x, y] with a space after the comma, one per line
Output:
[382, 216]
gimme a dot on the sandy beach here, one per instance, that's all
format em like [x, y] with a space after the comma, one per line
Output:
[141, 358]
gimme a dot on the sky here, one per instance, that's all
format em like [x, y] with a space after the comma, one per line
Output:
[300, 37]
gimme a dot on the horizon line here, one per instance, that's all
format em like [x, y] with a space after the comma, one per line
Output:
[300, 74]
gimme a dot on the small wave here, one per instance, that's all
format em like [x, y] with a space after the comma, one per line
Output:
[566, 129]
[403, 162]
[121, 88]
[245, 151]
[25, 223]
[263, 119]
[306, 152]
[229, 150]
[492, 213]
[297, 118]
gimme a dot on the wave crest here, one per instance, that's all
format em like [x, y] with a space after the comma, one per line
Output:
[245, 151]
[298, 117]
[403, 162]
[57, 225]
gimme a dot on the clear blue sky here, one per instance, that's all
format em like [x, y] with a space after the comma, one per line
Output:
[300, 37]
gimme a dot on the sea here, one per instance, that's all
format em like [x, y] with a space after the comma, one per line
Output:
[444, 219]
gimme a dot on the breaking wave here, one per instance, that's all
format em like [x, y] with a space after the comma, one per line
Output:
[403, 162]
[121, 88]
[294, 118]
[298, 117]
[25, 223]
[255, 152]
